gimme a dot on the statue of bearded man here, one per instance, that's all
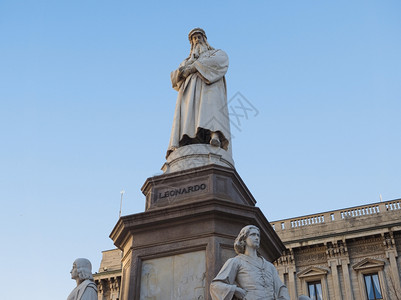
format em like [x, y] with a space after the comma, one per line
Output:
[201, 114]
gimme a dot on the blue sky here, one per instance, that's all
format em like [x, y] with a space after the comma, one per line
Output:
[87, 107]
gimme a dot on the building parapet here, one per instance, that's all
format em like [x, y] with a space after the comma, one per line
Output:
[340, 215]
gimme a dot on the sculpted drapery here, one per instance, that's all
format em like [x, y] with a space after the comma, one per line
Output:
[201, 107]
[261, 281]
[82, 273]
[85, 291]
[248, 276]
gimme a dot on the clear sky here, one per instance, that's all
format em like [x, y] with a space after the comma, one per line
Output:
[87, 107]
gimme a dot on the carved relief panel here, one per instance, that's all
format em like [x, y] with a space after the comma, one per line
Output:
[372, 247]
[179, 277]
[311, 256]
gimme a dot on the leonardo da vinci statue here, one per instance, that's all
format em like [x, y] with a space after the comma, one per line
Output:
[201, 114]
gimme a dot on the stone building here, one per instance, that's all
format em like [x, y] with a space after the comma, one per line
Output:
[348, 254]
[108, 279]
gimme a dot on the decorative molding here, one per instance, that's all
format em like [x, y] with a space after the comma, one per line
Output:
[314, 258]
[368, 263]
[366, 248]
[336, 249]
[312, 271]
[287, 258]
[388, 240]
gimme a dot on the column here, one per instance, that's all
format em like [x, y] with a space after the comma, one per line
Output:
[391, 255]
[347, 280]
[334, 275]
[281, 271]
[291, 283]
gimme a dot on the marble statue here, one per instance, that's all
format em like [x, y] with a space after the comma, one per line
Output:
[86, 287]
[201, 114]
[303, 297]
[248, 276]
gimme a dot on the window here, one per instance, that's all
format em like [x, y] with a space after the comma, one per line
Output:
[371, 278]
[314, 282]
[315, 290]
[372, 285]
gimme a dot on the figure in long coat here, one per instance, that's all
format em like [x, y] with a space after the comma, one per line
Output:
[201, 114]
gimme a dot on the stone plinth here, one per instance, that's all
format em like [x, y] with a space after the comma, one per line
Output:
[196, 184]
[191, 233]
[197, 155]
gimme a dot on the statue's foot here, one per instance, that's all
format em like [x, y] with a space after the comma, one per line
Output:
[215, 141]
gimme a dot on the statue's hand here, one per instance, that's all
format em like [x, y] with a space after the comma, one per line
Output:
[190, 61]
[188, 71]
[239, 293]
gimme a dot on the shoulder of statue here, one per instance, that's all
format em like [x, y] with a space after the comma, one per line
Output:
[90, 284]
[268, 263]
[87, 282]
[215, 52]
[241, 257]
[234, 260]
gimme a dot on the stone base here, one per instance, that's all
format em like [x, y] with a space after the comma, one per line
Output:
[176, 247]
[175, 252]
[197, 155]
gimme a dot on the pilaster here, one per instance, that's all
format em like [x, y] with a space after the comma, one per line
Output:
[391, 254]
[333, 263]
[286, 265]
[291, 282]
[337, 254]
[347, 278]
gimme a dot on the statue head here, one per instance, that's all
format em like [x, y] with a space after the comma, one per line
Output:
[194, 31]
[241, 240]
[81, 269]
[197, 38]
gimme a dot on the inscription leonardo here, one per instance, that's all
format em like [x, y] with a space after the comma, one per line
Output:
[182, 191]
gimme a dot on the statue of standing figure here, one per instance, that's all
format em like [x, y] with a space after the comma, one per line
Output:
[86, 288]
[201, 113]
[248, 276]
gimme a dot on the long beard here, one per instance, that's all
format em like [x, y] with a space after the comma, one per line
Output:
[199, 49]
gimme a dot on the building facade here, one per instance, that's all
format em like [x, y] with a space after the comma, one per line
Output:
[108, 279]
[346, 254]
[343, 254]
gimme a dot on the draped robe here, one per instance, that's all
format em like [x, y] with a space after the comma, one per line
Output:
[259, 278]
[87, 290]
[201, 106]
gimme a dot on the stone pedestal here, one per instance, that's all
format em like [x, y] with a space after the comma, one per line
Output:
[177, 246]
[197, 155]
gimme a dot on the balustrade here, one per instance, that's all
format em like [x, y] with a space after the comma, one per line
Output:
[337, 215]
